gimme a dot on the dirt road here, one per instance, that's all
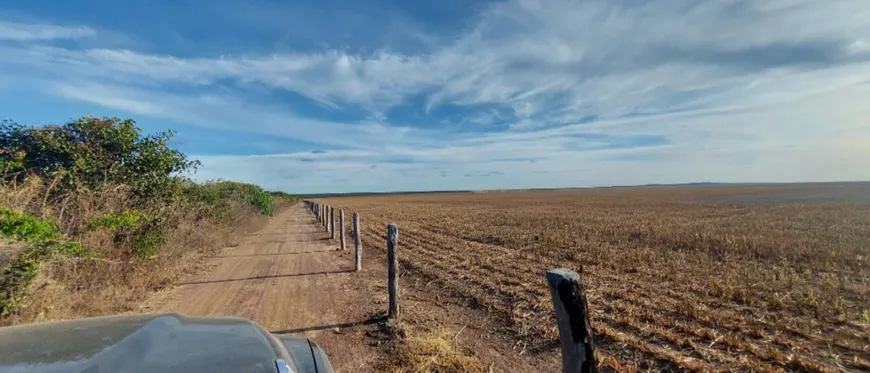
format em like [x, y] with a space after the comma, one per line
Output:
[288, 277]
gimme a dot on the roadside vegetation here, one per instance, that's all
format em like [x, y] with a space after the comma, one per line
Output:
[94, 215]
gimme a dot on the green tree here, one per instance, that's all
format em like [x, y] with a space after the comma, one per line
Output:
[90, 152]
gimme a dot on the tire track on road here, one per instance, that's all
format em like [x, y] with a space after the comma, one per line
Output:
[283, 277]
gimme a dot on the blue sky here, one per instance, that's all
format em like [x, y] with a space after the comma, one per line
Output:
[377, 95]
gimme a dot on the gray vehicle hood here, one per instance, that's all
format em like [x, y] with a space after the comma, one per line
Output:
[141, 343]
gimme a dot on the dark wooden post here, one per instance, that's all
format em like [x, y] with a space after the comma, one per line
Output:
[331, 223]
[326, 218]
[393, 270]
[572, 316]
[341, 228]
[357, 244]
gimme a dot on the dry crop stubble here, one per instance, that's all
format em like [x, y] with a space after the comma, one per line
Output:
[674, 280]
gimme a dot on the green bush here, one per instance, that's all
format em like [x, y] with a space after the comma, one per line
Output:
[283, 195]
[44, 241]
[144, 241]
[263, 200]
[216, 193]
[90, 152]
[23, 227]
[129, 219]
[16, 276]
[133, 231]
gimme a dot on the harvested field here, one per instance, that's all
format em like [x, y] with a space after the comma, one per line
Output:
[679, 279]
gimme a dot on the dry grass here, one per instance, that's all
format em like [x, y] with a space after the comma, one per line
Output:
[674, 282]
[115, 281]
[8, 252]
[429, 352]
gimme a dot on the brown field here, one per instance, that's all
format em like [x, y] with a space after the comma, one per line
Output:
[696, 279]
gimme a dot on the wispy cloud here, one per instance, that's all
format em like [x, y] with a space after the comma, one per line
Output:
[31, 32]
[229, 112]
[534, 59]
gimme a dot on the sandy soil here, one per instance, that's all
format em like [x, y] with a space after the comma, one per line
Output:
[290, 278]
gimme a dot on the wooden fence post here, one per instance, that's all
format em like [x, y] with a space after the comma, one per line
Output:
[341, 228]
[393, 270]
[357, 244]
[331, 223]
[572, 316]
[325, 218]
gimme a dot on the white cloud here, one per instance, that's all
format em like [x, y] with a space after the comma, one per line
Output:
[600, 57]
[109, 98]
[31, 32]
[788, 146]
[228, 112]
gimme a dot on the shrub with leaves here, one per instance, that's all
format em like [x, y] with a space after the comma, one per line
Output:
[215, 193]
[92, 151]
[128, 219]
[27, 228]
[133, 231]
[20, 226]
[43, 240]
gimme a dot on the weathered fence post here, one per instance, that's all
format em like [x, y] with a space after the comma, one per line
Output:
[357, 245]
[325, 218]
[393, 270]
[341, 228]
[572, 316]
[331, 223]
